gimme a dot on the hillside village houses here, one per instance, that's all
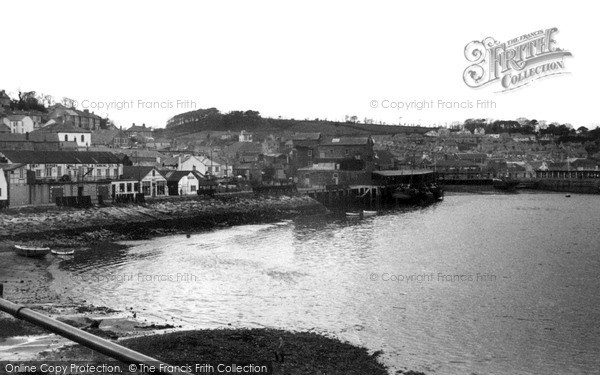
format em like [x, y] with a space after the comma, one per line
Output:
[203, 165]
[71, 153]
[80, 119]
[67, 131]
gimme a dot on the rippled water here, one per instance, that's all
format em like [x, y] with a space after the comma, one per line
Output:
[476, 284]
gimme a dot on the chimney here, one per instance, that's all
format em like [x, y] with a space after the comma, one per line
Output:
[179, 162]
[143, 125]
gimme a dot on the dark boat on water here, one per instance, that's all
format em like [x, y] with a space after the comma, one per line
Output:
[437, 191]
[31, 251]
[420, 195]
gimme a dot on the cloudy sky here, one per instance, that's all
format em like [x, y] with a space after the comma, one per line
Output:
[304, 59]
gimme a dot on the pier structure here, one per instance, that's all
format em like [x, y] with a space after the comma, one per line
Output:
[384, 183]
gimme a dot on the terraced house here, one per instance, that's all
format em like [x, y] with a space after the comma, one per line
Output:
[40, 177]
[80, 119]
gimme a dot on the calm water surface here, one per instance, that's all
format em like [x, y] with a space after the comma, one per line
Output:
[476, 284]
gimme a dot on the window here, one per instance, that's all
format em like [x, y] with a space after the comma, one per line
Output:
[129, 187]
[121, 187]
[38, 173]
[99, 172]
[116, 172]
[66, 138]
[74, 139]
[48, 172]
[82, 138]
[347, 152]
[59, 171]
[309, 152]
[153, 173]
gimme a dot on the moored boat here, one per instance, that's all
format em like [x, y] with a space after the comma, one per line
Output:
[404, 193]
[64, 252]
[437, 191]
[32, 251]
[354, 215]
[369, 213]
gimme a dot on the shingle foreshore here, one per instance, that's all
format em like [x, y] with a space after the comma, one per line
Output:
[118, 222]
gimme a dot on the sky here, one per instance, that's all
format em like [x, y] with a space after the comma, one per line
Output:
[144, 61]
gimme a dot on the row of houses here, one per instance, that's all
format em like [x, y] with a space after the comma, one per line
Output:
[472, 166]
[40, 177]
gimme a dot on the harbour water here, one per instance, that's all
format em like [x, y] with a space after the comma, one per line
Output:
[476, 284]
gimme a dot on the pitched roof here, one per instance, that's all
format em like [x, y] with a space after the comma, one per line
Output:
[306, 137]
[138, 128]
[3, 95]
[16, 117]
[178, 175]
[33, 137]
[59, 157]
[4, 128]
[104, 137]
[10, 166]
[61, 127]
[471, 156]
[136, 172]
[244, 147]
[345, 141]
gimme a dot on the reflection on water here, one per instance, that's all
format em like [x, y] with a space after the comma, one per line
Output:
[476, 284]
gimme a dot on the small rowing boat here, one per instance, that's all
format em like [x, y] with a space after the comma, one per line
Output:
[369, 213]
[32, 251]
[65, 252]
[356, 215]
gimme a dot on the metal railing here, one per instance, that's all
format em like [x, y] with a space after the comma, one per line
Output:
[86, 339]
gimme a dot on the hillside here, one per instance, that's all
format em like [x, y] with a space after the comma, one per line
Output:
[212, 120]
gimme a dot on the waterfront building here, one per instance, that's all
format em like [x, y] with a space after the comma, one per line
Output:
[183, 182]
[152, 182]
[40, 177]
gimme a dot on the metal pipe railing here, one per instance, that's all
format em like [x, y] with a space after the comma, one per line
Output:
[86, 339]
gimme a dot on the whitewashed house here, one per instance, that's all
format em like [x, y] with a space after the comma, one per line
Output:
[19, 124]
[153, 183]
[183, 182]
[68, 132]
[204, 165]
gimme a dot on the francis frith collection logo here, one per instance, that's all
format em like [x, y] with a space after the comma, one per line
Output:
[514, 63]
